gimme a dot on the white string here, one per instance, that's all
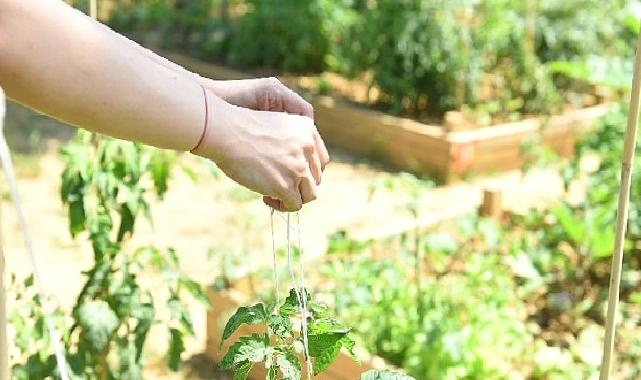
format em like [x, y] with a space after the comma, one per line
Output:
[5, 159]
[301, 292]
[310, 368]
[276, 279]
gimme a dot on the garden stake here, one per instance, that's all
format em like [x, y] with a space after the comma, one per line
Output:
[4, 347]
[5, 159]
[622, 216]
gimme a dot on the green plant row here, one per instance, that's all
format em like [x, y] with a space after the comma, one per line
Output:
[485, 57]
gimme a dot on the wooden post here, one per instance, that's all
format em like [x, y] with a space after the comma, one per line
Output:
[629, 145]
[491, 206]
[4, 347]
[93, 9]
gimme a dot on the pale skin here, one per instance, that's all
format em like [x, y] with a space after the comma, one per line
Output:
[260, 133]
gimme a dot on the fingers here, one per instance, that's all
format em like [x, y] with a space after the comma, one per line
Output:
[294, 200]
[281, 98]
[294, 103]
[273, 203]
[307, 188]
[321, 150]
[315, 166]
[291, 199]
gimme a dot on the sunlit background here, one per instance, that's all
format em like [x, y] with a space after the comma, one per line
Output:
[463, 230]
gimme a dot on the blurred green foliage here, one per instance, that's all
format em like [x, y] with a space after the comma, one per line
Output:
[426, 57]
[106, 185]
[286, 34]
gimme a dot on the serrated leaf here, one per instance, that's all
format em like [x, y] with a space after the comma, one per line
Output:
[291, 306]
[289, 365]
[325, 340]
[242, 371]
[98, 322]
[318, 344]
[249, 315]
[249, 348]
[280, 326]
[384, 375]
[325, 357]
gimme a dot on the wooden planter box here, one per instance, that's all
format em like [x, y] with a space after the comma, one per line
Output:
[425, 149]
[226, 302]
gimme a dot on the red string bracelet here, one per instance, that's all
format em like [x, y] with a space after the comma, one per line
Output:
[202, 136]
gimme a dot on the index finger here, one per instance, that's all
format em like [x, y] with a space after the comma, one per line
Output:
[294, 103]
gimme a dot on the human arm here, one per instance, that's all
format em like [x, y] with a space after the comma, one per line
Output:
[61, 63]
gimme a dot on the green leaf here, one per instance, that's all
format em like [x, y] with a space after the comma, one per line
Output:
[249, 315]
[195, 290]
[77, 217]
[28, 281]
[145, 315]
[291, 306]
[280, 326]
[160, 170]
[251, 349]
[602, 243]
[127, 220]
[242, 371]
[176, 348]
[289, 365]
[573, 227]
[272, 372]
[383, 375]
[98, 322]
[325, 340]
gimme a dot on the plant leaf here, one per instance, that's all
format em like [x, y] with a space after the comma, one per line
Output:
[325, 340]
[176, 348]
[98, 322]
[249, 348]
[249, 315]
[289, 365]
[280, 326]
[242, 371]
[291, 306]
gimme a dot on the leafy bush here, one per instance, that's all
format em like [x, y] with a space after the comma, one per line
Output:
[437, 56]
[285, 34]
[570, 30]
[105, 185]
[465, 321]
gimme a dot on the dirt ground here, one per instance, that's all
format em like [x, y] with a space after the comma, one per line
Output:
[211, 213]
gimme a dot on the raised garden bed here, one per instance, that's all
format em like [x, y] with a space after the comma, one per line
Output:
[225, 304]
[446, 153]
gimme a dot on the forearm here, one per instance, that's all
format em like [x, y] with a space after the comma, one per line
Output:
[59, 62]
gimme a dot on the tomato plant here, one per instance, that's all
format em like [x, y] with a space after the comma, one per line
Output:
[105, 185]
[280, 348]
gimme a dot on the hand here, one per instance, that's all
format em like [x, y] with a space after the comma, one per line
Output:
[262, 94]
[268, 94]
[272, 153]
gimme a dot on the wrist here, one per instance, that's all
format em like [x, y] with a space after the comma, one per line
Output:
[220, 116]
